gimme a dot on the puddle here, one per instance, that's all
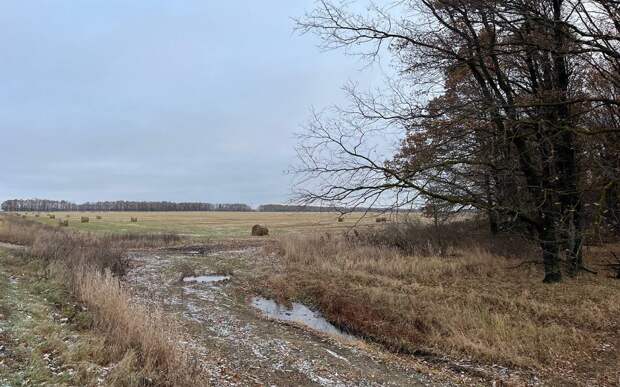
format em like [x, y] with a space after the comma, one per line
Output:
[207, 279]
[299, 313]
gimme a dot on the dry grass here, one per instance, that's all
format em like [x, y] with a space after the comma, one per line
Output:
[139, 335]
[207, 226]
[141, 241]
[469, 303]
[142, 339]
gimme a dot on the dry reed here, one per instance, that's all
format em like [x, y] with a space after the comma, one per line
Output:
[469, 303]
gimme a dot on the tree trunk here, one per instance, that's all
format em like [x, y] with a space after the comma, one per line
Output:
[550, 247]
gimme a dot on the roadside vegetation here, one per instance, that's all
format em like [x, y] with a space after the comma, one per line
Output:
[459, 296]
[45, 337]
[140, 344]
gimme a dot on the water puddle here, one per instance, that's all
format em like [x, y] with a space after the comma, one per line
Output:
[207, 279]
[299, 313]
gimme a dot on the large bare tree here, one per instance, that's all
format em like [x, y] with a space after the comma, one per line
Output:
[500, 106]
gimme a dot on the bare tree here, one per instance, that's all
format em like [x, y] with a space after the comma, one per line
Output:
[492, 105]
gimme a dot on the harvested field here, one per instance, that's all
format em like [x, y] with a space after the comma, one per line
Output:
[215, 225]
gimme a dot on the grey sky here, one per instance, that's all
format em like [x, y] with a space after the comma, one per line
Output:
[191, 100]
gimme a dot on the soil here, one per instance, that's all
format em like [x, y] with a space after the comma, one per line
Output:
[238, 345]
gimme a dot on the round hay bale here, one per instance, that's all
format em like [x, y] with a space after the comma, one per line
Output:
[52, 216]
[134, 220]
[98, 217]
[84, 219]
[340, 219]
[381, 220]
[258, 230]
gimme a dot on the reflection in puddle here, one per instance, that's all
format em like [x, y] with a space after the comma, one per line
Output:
[299, 313]
[206, 279]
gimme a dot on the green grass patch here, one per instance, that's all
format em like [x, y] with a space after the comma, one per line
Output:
[42, 330]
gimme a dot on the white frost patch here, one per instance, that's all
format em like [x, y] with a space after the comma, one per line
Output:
[206, 279]
[334, 354]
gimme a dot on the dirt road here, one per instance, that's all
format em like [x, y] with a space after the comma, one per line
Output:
[240, 346]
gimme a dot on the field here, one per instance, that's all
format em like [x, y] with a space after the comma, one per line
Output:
[206, 225]
[424, 305]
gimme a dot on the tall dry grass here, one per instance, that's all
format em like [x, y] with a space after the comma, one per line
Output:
[469, 303]
[141, 339]
[146, 334]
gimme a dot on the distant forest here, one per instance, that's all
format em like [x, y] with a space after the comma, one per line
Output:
[43, 205]
[298, 208]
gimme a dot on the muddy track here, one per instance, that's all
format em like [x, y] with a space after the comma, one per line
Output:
[239, 346]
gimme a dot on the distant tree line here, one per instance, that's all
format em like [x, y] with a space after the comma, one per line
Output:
[43, 205]
[302, 208]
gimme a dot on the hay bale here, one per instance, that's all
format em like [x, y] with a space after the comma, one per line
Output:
[381, 219]
[134, 220]
[63, 223]
[67, 216]
[340, 219]
[258, 230]
[98, 217]
[52, 216]
[36, 215]
[24, 216]
[84, 219]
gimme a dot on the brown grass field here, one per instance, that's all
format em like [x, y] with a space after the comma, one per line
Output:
[469, 304]
[448, 293]
[207, 225]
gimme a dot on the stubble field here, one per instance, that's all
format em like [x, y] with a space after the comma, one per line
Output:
[207, 225]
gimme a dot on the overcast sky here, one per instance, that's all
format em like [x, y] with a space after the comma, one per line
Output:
[191, 100]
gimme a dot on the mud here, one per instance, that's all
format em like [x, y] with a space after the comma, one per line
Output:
[238, 345]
